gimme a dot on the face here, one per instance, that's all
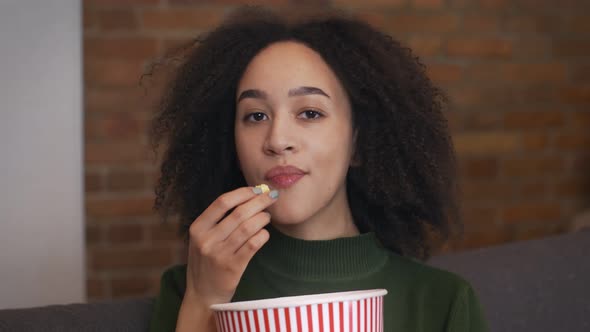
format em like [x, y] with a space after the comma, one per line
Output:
[294, 132]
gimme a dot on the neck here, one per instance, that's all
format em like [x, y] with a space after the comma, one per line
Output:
[333, 221]
[330, 260]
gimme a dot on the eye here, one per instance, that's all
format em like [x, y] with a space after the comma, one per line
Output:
[255, 117]
[311, 114]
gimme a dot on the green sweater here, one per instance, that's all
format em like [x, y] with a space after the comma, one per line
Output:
[420, 297]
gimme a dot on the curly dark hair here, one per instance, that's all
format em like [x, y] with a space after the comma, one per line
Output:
[405, 187]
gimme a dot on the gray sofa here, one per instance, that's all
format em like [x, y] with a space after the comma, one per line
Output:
[538, 285]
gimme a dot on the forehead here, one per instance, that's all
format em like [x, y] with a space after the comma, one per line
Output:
[285, 65]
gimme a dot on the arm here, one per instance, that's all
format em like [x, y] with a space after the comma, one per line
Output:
[194, 316]
[177, 310]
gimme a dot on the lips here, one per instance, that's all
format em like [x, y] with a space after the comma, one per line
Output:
[284, 176]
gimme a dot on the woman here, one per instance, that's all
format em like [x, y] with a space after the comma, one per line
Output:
[343, 124]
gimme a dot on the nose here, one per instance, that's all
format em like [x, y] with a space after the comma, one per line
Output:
[280, 138]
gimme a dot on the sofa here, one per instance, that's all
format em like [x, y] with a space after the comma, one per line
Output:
[536, 285]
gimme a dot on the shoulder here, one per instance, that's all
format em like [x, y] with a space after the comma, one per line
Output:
[169, 299]
[445, 296]
[425, 278]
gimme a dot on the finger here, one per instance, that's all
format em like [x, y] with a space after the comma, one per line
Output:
[240, 214]
[244, 232]
[251, 247]
[224, 203]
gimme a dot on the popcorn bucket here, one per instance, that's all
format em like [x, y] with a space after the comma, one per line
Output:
[355, 311]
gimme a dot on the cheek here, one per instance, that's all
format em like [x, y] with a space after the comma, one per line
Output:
[245, 155]
[241, 151]
[250, 154]
[335, 149]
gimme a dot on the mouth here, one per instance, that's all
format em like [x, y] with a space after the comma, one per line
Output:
[282, 177]
[285, 181]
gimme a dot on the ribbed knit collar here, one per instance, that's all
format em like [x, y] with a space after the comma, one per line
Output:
[342, 258]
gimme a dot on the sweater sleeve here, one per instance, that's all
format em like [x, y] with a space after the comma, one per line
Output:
[466, 313]
[167, 305]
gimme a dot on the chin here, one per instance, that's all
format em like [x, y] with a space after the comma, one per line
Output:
[285, 216]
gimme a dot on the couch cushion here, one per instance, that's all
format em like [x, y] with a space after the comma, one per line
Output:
[538, 285]
[120, 315]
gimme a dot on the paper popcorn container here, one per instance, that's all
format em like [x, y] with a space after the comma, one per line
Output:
[355, 311]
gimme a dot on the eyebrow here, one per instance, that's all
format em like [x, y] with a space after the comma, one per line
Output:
[300, 91]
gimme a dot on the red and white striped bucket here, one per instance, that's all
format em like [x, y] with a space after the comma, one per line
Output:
[355, 311]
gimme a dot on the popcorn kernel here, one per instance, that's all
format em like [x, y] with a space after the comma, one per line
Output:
[264, 188]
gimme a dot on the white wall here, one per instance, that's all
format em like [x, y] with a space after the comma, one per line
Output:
[41, 186]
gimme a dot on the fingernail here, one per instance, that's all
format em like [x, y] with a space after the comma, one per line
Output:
[257, 190]
[273, 194]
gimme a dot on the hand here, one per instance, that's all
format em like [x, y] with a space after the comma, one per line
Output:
[220, 249]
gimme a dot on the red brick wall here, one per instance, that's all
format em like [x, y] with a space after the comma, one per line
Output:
[518, 72]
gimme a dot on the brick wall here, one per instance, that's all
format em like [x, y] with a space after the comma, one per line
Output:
[518, 72]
